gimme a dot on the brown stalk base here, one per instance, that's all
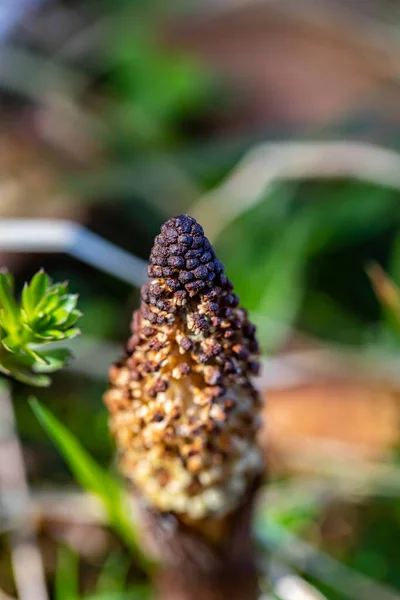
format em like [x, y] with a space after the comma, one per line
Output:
[206, 560]
[225, 585]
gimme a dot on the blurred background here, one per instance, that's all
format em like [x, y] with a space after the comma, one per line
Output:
[277, 125]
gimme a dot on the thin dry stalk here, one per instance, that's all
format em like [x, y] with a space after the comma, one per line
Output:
[25, 554]
[267, 164]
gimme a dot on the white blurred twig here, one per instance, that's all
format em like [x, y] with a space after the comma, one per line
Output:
[323, 567]
[11, 12]
[48, 235]
[16, 66]
[290, 586]
[25, 555]
[267, 164]
[333, 362]
[330, 482]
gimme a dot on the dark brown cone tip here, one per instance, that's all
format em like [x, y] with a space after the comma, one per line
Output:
[184, 257]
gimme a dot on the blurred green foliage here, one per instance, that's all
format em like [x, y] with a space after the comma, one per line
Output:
[299, 256]
[111, 583]
[157, 89]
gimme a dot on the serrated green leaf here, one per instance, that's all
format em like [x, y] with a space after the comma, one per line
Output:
[67, 575]
[10, 312]
[60, 288]
[8, 322]
[59, 316]
[45, 324]
[17, 359]
[41, 320]
[69, 302]
[28, 306]
[71, 333]
[52, 335]
[72, 319]
[56, 334]
[13, 369]
[39, 359]
[9, 279]
[46, 315]
[91, 476]
[48, 303]
[38, 287]
[35, 335]
[55, 359]
[32, 379]
[9, 344]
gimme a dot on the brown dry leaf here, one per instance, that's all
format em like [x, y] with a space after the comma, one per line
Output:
[4, 596]
[386, 290]
[286, 69]
[362, 421]
[31, 184]
[30, 181]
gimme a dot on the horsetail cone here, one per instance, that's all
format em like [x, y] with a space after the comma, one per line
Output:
[184, 412]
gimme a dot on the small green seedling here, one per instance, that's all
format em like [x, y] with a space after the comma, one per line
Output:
[46, 314]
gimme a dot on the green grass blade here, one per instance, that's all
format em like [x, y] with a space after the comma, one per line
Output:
[7, 302]
[67, 575]
[388, 295]
[394, 270]
[112, 578]
[135, 592]
[91, 476]
[36, 290]
[281, 285]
